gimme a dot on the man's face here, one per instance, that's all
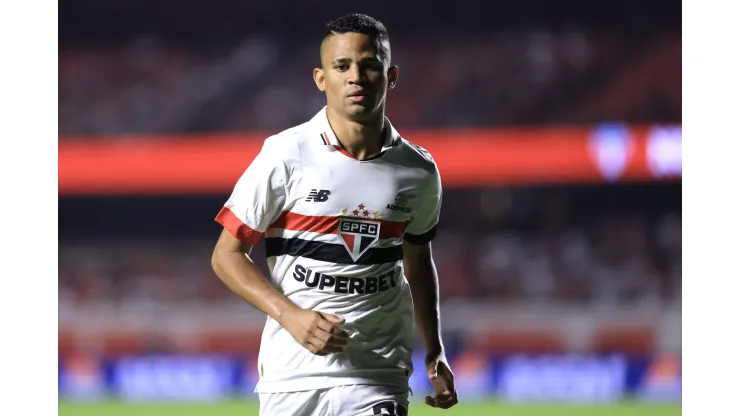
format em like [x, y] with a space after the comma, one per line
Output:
[353, 75]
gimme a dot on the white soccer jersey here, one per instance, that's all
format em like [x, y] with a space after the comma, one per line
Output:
[333, 228]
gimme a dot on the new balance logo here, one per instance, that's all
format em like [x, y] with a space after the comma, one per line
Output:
[318, 195]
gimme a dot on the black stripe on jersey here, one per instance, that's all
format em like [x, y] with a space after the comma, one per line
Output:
[326, 142]
[421, 238]
[331, 253]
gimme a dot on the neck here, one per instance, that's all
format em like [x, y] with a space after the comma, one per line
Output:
[361, 140]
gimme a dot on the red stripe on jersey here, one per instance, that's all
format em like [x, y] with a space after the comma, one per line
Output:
[297, 222]
[344, 152]
[325, 138]
[236, 227]
[328, 225]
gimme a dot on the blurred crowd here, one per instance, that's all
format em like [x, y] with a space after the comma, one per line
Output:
[517, 77]
[492, 245]
[137, 67]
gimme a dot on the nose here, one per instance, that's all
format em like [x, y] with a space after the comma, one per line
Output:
[355, 75]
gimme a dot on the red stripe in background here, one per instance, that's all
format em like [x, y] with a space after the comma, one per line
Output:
[236, 227]
[211, 163]
[328, 225]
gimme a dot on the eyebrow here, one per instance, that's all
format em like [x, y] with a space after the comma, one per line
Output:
[347, 60]
[341, 61]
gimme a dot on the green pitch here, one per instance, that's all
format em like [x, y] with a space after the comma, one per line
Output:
[417, 409]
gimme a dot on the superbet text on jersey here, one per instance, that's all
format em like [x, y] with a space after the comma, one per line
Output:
[333, 228]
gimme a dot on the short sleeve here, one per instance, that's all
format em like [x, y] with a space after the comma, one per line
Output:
[423, 226]
[258, 197]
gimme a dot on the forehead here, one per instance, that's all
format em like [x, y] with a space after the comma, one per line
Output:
[348, 45]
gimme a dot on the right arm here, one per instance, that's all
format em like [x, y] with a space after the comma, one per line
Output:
[315, 331]
[257, 200]
[239, 273]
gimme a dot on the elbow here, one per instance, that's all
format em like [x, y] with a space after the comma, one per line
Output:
[216, 261]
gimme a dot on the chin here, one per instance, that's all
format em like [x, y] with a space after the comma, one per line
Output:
[359, 112]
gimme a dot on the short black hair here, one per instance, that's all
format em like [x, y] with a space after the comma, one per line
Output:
[362, 23]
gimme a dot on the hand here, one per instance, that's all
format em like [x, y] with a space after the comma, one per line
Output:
[318, 332]
[443, 381]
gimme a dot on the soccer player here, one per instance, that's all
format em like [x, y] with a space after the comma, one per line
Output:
[348, 209]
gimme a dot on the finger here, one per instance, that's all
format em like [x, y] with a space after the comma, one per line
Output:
[324, 330]
[332, 346]
[333, 319]
[447, 405]
[335, 347]
[324, 325]
[430, 401]
[318, 343]
[330, 350]
[340, 332]
[312, 348]
[316, 346]
[448, 402]
[324, 337]
[337, 342]
[445, 397]
[322, 346]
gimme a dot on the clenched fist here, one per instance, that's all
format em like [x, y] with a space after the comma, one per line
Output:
[443, 381]
[318, 332]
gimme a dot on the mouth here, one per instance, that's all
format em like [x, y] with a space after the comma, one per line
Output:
[358, 96]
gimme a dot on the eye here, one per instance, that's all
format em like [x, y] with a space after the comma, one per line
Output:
[341, 67]
[374, 66]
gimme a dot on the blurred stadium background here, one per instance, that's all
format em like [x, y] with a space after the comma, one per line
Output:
[557, 129]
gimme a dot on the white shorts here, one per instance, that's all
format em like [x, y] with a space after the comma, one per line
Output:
[350, 400]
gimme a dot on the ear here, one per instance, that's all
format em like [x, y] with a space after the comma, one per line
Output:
[319, 79]
[392, 76]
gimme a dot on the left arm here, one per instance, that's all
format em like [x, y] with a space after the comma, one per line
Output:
[422, 277]
[421, 274]
[418, 266]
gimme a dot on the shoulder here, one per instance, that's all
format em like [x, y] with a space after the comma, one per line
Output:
[288, 144]
[289, 139]
[416, 156]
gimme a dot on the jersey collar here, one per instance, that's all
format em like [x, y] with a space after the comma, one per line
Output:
[326, 135]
